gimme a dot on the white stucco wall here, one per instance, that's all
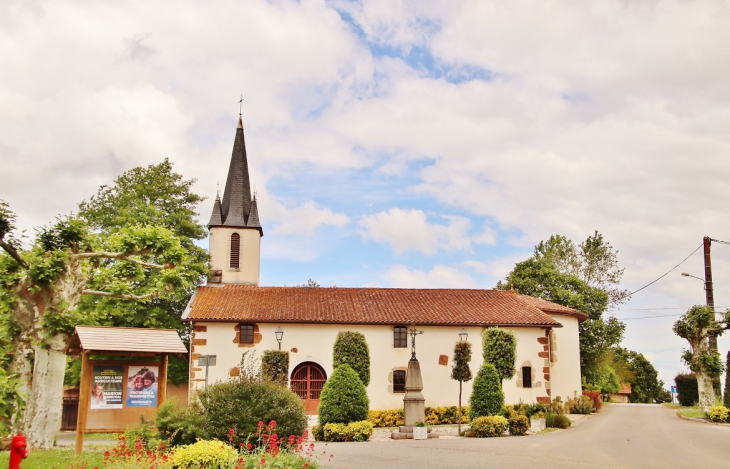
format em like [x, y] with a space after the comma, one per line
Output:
[566, 360]
[313, 342]
[249, 254]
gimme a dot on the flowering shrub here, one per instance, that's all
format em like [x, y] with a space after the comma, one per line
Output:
[205, 453]
[718, 413]
[434, 416]
[580, 405]
[487, 427]
[518, 425]
[353, 431]
[266, 451]
[596, 397]
[387, 418]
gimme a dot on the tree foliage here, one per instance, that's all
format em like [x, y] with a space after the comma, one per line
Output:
[351, 349]
[582, 277]
[154, 195]
[487, 397]
[43, 286]
[499, 347]
[275, 366]
[460, 370]
[643, 377]
[696, 326]
[343, 398]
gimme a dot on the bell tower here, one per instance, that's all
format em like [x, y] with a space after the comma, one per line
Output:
[235, 230]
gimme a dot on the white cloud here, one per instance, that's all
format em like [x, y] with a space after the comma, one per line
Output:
[302, 219]
[440, 276]
[410, 229]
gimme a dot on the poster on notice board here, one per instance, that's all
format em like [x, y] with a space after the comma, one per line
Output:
[142, 386]
[106, 387]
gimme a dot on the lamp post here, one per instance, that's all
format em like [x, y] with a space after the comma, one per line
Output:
[279, 332]
[463, 335]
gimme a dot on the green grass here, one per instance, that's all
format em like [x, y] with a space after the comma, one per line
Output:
[547, 430]
[691, 412]
[60, 458]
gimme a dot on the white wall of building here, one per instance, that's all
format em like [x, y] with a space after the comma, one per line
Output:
[313, 342]
[566, 358]
[249, 254]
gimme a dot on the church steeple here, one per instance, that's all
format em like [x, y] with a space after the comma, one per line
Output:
[235, 229]
[235, 209]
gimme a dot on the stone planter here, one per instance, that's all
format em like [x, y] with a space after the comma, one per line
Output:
[420, 433]
[537, 425]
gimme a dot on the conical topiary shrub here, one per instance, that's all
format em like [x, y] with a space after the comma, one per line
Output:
[351, 348]
[343, 398]
[487, 397]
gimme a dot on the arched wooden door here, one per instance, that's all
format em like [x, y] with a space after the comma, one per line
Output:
[307, 381]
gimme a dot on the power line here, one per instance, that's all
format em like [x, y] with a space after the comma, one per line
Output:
[651, 283]
[659, 309]
[652, 317]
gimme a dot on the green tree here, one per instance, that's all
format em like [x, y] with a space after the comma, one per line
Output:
[645, 384]
[154, 195]
[499, 347]
[593, 261]
[275, 366]
[487, 397]
[343, 398]
[546, 275]
[696, 326]
[310, 284]
[351, 349]
[44, 284]
[460, 370]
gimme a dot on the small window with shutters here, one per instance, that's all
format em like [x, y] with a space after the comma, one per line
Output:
[235, 250]
[399, 381]
[246, 334]
[526, 376]
[400, 337]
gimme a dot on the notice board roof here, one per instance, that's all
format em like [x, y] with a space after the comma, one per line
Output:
[125, 339]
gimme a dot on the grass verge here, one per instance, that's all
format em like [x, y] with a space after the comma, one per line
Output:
[39, 459]
[691, 412]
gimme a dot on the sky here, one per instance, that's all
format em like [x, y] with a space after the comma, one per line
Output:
[413, 144]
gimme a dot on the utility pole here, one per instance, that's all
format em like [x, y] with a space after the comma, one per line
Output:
[709, 297]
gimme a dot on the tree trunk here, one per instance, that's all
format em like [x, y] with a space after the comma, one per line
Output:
[704, 386]
[459, 430]
[44, 401]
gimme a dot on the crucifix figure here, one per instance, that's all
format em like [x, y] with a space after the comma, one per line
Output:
[240, 106]
[413, 332]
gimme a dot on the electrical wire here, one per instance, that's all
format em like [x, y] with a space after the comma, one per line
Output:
[718, 241]
[670, 270]
[652, 317]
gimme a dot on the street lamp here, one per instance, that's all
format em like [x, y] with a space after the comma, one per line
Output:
[279, 332]
[685, 274]
[463, 335]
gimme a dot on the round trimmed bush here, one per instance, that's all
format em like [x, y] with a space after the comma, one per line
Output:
[242, 404]
[204, 454]
[518, 425]
[343, 398]
[487, 397]
[489, 427]
[351, 349]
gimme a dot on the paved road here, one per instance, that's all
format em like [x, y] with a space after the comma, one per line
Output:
[620, 436]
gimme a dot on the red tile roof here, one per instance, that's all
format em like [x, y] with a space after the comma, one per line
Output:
[235, 303]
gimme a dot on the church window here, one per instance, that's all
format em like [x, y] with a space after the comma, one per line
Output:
[526, 376]
[399, 381]
[235, 250]
[400, 337]
[246, 334]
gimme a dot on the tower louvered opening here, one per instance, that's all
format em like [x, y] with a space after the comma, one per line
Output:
[235, 250]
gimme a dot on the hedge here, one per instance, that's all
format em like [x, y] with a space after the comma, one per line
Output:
[343, 398]
[434, 416]
[351, 349]
[275, 366]
[488, 427]
[487, 397]
[687, 392]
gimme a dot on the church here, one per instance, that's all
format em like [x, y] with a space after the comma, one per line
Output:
[232, 314]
